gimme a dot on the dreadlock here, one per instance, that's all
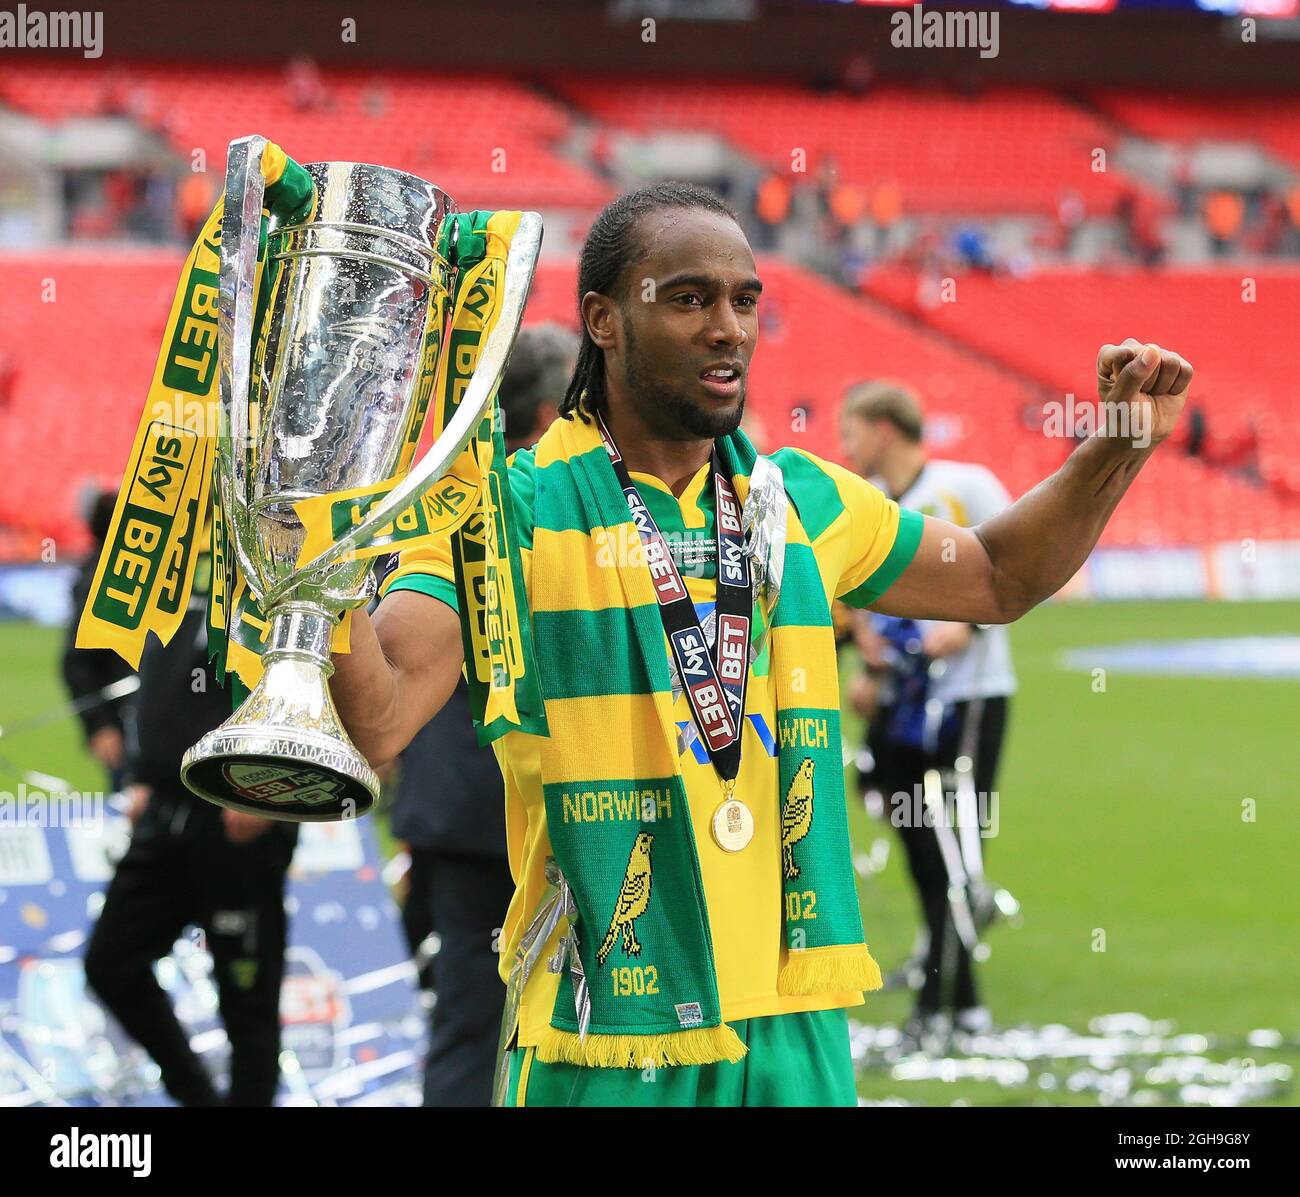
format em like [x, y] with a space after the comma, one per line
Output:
[610, 246]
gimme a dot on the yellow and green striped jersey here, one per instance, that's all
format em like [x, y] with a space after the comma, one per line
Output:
[861, 541]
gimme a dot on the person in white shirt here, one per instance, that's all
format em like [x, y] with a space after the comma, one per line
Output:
[966, 679]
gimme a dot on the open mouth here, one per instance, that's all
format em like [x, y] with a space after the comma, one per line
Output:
[722, 381]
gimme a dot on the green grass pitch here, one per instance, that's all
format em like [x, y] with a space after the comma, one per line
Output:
[1123, 811]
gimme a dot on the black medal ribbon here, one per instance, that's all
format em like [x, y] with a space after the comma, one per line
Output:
[714, 681]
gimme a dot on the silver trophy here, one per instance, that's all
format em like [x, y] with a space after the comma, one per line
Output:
[326, 400]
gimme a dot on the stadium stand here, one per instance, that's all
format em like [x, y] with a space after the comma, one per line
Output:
[86, 330]
[816, 340]
[480, 136]
[1007, 151]
[1273, 121]
[1061, 316]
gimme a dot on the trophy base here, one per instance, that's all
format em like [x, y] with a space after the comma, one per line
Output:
[284, 754]
[291, 778]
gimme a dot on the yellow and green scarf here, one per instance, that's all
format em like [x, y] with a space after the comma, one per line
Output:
[636, 883]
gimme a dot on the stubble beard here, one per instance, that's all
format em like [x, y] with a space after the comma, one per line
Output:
[669, 412]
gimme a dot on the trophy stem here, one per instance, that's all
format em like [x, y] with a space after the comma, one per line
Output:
[300, 631]
[284, 754]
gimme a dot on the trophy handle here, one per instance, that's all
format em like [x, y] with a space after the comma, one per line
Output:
[241, 226]
[521, 262]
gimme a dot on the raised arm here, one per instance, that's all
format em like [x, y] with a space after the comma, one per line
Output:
[404, 664]
[998, 570]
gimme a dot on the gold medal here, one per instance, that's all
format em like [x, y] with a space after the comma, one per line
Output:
[732, 825]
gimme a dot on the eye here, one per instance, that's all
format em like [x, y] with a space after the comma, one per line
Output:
[747, 301]
[690, 298]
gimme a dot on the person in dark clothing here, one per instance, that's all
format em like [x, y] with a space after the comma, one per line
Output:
[88, 672]
[459, 887]
[193, 863]
[450, 810]
[898, 768]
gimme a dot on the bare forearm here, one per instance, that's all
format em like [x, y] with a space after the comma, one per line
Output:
[997, 571]
[404, 664]
[1038, 543]
[364, 688]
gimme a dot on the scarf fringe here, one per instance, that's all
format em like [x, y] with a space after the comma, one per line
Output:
[830, 970]
[697, 1045]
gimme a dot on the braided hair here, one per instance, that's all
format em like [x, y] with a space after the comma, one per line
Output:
[610, 246]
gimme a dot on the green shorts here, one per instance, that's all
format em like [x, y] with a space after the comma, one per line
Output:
[793, 1060]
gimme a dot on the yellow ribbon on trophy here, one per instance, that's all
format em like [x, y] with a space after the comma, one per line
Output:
[145, 571]
[442, 509]
[500, 666]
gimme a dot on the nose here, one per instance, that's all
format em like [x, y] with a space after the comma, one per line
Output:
[725, 327]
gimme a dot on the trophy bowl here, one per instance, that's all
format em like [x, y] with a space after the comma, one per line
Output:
[326, 389]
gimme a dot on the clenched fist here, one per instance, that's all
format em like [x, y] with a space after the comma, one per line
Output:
[1151, 382]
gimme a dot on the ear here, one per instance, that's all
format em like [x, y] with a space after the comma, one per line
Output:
[600, 315]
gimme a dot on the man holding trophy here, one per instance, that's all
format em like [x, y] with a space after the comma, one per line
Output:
[640, 604]
[685, 926]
